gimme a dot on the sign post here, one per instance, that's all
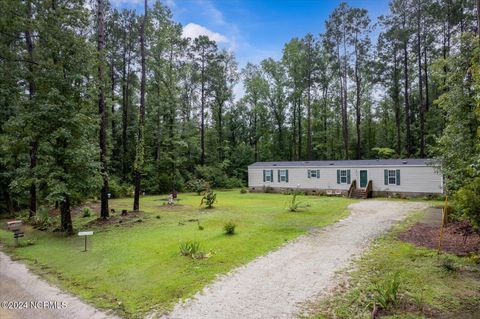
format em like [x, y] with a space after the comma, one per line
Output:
[85, 234]
[15, 227]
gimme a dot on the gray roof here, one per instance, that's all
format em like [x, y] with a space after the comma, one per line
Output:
[352, 163]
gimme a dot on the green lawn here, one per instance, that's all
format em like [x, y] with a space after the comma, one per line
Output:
[436, 286]
[135, 267]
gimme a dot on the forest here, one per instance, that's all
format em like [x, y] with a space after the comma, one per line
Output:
[97, 102]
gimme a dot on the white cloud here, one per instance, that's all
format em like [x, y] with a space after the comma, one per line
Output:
[170, 3]
[209, 10]
[193, 30]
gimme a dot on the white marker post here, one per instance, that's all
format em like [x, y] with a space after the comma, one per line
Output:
[85, 234]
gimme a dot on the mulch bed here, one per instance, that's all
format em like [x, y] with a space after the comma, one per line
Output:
[132, 216]
[458, 237]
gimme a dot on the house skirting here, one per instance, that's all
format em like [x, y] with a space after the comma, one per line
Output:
[312, 191]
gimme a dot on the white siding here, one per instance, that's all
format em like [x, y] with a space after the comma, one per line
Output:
[418, 179]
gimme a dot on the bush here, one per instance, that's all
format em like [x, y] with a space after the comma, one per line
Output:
[233, 182]
[268, 189]
[118, 190]
[197, 185]
[86, 212]
[209, 199]
[229, 228]
[386, 293]
[192, 249]
[295, 205]
[243, 191]
[42, 220]
[467, 202]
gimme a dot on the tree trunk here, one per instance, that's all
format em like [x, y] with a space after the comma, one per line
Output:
[31, 91]
[255, 138]
[425, 73]
[294, 133]
[138, 166]
[309, 108]
[358, 149]
[65, 216]
[408, 139]
[478, 17]
[124, 108]
[103, 113]
[114, 128]
[420, 84]
[344, 94]
[202, 111]
[299, 119]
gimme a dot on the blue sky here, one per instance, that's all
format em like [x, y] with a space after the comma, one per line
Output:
[255, 29]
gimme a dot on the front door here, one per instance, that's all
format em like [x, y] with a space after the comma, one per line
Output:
[363, 178]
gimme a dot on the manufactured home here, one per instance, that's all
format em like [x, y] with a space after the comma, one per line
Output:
[353, 178]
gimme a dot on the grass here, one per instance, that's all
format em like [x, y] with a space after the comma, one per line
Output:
[137, 267]
[427, 284]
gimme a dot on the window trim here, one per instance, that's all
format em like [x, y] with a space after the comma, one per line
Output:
[312, 173]
[268, 176]
[394, 176]
[341, 176]
[283, 177]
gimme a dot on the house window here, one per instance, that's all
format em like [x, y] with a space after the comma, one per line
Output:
[313, 173]
[268, 176]
[392, 177]
[283, 175]
[343, 176]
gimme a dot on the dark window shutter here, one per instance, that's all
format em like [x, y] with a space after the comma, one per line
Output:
[385, 176]
[308, 173]
[271, 175]
[278, 171]
[286, 175]
[348, 176]
[318, 173]
[338, 176]
[398, 177]
[263, 175]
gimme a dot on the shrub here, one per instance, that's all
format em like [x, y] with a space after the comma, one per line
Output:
[26, 243]
[243, 191]
[295, 205]
[197, 185]
[118, 189]
[233, 182]
[267, 189]
[86, 212]
[229, 228]
[42, 220]
[209, 199]
[386, 293]
[192, 249]
[467, 202]
[215, 174]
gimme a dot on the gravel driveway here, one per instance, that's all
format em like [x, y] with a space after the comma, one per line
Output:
[274, 285]
[38, 299]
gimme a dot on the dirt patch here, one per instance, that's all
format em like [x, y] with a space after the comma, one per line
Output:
[171, 207]
[457, 237]
[129, 219]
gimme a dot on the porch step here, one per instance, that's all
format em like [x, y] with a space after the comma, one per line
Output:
[358, 193]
